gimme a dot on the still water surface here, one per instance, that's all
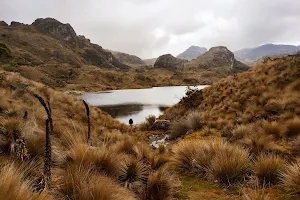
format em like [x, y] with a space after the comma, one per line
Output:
[136, 103]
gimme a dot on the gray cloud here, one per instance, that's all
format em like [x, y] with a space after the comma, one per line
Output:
[149, 28]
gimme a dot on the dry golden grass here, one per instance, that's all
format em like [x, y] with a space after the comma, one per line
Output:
[293, 127]
[12, 186]
[290, 177]
[216, 160]
[267, 168]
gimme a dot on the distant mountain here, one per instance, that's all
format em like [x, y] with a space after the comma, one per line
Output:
[192, 53]
[128, 59]
[150, 61]
[218, 58]
[251, 55]
[168, 61]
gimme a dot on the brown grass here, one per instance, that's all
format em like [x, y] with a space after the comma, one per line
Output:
[12, 186]
[266, 168]
[290, 177]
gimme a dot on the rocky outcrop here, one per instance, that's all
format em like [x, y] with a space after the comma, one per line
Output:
[92, 54]
[161, 124]
[3, 23]
[217, 58]
[192, 53]
[14, 23]
[60, 31]
[168, 61]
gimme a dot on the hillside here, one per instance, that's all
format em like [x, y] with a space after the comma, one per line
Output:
[61, 159]
[192, 52]
[128, 59]
[252, 55]
[243, 129]
[150, 61]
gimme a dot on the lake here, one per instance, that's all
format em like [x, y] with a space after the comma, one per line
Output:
[136, 104]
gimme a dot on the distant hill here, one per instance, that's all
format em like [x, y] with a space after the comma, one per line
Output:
[128, 59]
[220, 59]
[150, 61]
[192, 53]
[251, 55]
[53, 50]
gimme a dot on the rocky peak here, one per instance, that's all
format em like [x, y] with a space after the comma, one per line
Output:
[217, 57]
[192, 53]
[168, 61]
[61, 31]
[14, 23]
[3, 23]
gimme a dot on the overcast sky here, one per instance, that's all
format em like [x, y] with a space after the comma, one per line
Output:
[149, 28]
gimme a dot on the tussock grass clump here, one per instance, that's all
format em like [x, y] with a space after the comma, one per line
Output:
[293, 127]
[273, 128]
[159, 161]
[161, 185]
[148, 124]
[216, 160]
[100, 159]
[230, 165]
[255, 194]
[260, 143]
[179, 128]
[266, 168]
[12, 185]
[241, 131]
[82, 183]
[132, 170]
[194, 121]
[290, 177]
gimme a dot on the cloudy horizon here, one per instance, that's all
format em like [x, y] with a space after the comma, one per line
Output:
[149, 28]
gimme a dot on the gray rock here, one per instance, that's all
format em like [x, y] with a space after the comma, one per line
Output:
[161, 124]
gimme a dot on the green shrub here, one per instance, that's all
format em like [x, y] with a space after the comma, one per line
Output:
[10, 68]
[4, 50]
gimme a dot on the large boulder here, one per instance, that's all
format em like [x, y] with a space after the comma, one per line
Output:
[168, 61]
[3, 23]
[161, 124]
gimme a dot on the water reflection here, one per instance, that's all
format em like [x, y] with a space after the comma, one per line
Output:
[136, 103]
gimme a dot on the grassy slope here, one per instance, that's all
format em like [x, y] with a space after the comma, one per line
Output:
[259, 110]
[101, 171]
